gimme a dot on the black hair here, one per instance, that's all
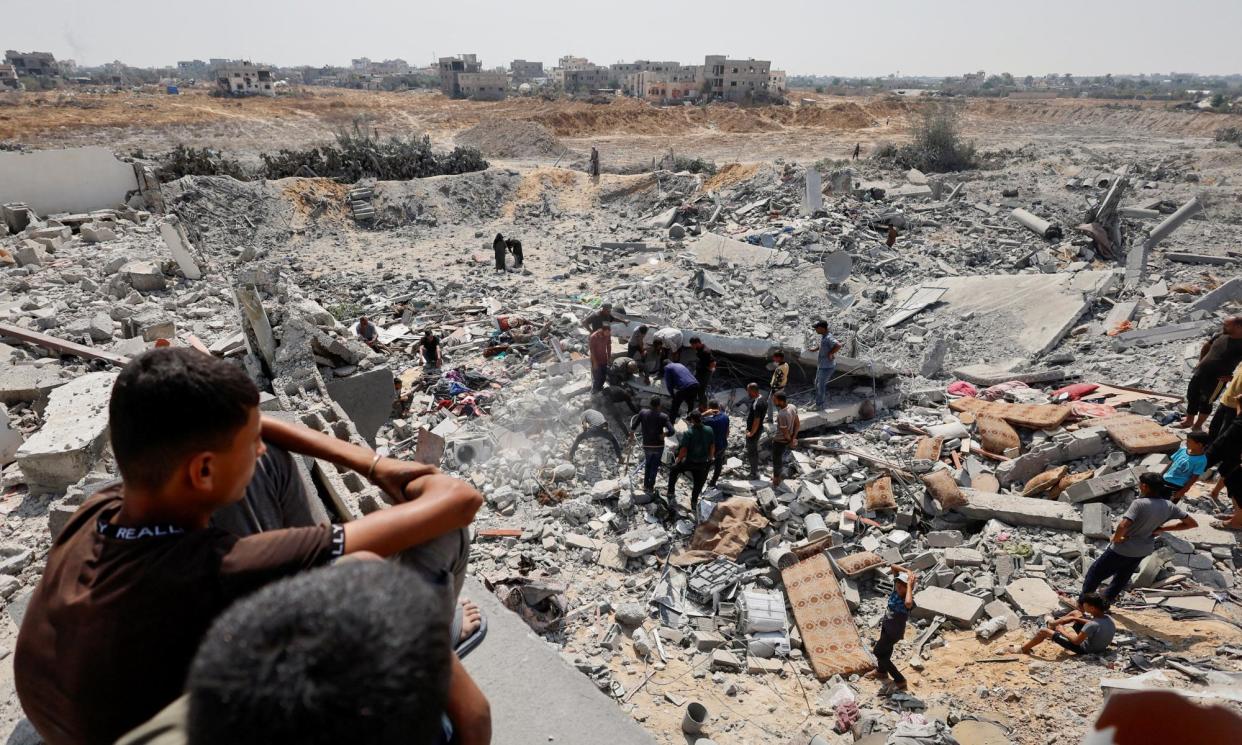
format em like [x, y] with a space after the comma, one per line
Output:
[820, 323]
[1203, 438]
[779, 353]
[713, 404]
[357, 652]
[171, 402]
[642, 329]
[1156, 484]
[1095, 600]
[695, 340]
[779, 396]
[695, 416]
[655, 402]
[752, 386]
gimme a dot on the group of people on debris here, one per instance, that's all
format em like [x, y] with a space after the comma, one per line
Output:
[501, 246]
[703, 447]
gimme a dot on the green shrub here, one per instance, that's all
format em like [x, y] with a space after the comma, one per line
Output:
[188, 161]
[937, 145]
[359, 154]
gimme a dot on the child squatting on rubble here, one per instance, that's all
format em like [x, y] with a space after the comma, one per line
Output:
[1093, 629]
[142, 569]
[893, 628]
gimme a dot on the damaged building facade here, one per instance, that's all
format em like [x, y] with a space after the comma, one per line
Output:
[245, 79]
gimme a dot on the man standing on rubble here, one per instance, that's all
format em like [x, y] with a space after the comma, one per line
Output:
[827, 365]
[715, 417]
[682, 386]
[603, 318]
[694, 455]
[599, 344]
[498, 248]
[786, 438]
[704, 367]
[1218, 358]
[655, 426]
[756, 414]
[1135, 537]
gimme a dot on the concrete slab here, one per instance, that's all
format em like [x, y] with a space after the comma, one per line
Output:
[1015, 510]
[1231, 290]
[367, 397]
[74, 429]
[10, 438]
[80, 179]
[1162, 334]
[568, 703]
[1039, 309]
[716, 250]
[1033, 597]
[958, 607]
[178, 244]
[1205, 536]
[27, 383]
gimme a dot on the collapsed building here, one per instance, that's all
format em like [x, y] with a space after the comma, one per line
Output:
[994, 406]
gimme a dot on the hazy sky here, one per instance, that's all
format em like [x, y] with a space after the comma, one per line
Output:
[870, 37]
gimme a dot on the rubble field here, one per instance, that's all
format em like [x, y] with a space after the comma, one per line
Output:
[1011, 364]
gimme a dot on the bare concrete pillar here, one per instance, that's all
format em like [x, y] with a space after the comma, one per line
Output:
[1173, 222]
[1037, 225]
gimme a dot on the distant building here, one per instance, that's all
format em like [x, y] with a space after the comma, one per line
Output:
[524, 71]
[777, 82]
[391, 67]
[570, 62]
[362, 64]
[736, 79]
[195, 68]
[245, 79]
[8, 77]
[451, 69]
[483, 86]
[623, 72]
[32, 64]
[585, 79]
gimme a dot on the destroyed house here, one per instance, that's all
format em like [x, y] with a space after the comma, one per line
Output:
[736, 80]
[451, 69]
[32, 64]
[245, 79]
[483, 86]
[8, 77]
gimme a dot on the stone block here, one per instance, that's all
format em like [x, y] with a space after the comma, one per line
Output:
[925, 560]
[1101, 487]
[178, 244]
[1097, 521]
[74, 431]
[962, 557]
[10, 438]
[1020, 511]
[705, 641]
[96, 233]
[152, 324]
[1033, 597]
[366, 397]
[31, 254]
[28, 383]
[143, 276]
[14, 558]
[724, 660]
[944, 538]
[954, 606]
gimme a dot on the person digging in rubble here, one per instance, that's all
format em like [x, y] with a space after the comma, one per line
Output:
[654, 426]
[1187, 465]
[374, 664]
[636, 347]
[603, 318]
[1085, 631]
[715, 417]
[756, 414]
[209, 508]
[599, 346]
[893, 628]
[515, 248]
[704, 367]
[786, 437]
[369, 335]
[619, 374]
[695, 453]
[429, 345]
[654, 360]
[1218, 357]
[595, 426]
[779, 379]
[827, 363]
[498, 248]
[1135, 537]
[682, 386]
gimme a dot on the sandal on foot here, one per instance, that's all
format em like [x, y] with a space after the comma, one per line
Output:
[1222, 525]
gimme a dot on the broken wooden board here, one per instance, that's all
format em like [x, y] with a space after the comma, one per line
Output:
[61, 346]
[829, 636]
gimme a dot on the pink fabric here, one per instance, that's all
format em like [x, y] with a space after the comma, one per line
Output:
[962, 388]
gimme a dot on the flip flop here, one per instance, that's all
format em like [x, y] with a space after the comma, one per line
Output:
[467, 645]
[1222, 525]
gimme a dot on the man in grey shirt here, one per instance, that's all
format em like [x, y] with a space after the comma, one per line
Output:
[1135, 537]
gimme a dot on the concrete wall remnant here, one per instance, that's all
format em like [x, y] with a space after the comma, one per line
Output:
[80, 179]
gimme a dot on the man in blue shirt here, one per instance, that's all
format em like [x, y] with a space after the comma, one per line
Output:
[718, 420]
[682, 386]
[1187, 464]
[827, 365]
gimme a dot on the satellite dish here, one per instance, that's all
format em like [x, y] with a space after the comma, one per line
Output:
[837, 267]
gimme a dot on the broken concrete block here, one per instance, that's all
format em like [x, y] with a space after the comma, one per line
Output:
[27, 383]
[74, 430]
[1015, 510]
[1097, 521]
[31, 254]
[96, 233]
[179, 246]
[10, 438]
[143, 276]
[963, 557]
[366, 397]
[1033, 597]
[1101, 487]
[955, 606]
[155, 324]
[944, 538]
[14, 558]
[705, 641]
[722, 659]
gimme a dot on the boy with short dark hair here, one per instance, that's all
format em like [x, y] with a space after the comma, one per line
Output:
[1091, 629]
[1187, 464]
[138, 574]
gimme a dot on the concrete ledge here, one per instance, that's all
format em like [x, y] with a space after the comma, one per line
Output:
[536, 697]
[1015, 510]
